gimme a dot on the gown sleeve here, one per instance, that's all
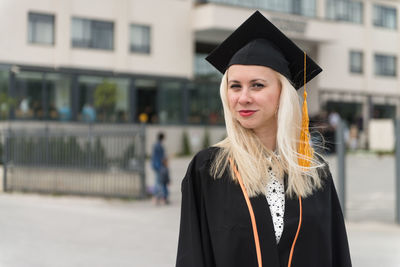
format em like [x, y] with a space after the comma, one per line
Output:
[340, 246]
[194, 247]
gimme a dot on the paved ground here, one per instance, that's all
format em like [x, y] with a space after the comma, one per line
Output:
[41, 231]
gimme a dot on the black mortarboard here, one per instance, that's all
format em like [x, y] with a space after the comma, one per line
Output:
[258, 42]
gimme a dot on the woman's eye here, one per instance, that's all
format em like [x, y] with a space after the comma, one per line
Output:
[258, 85]
[235, 86]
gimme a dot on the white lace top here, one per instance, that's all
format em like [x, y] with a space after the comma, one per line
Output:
[275, 193]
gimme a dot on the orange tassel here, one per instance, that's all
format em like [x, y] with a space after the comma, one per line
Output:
[305, 150]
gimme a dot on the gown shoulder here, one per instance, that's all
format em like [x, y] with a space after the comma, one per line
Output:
[201, 163]
[206, 155]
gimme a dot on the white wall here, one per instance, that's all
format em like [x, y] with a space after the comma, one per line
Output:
[171, 35]
[334, 55]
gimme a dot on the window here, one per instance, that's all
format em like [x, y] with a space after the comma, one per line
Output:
[140, 39]
[356, 62]
[58, 96]
[385, 17]
[204, 69]
[103, 99]
[304, 7]
[344, 10]
[28, 93]
[385, 65]
[42, 96]
[205, 106]
[40, 28]
[92, 34]
[170, 104]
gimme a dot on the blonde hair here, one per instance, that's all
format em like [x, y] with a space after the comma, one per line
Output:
[253, 159]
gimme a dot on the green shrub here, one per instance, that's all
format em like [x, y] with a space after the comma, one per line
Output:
[206, 138]
[186, 150]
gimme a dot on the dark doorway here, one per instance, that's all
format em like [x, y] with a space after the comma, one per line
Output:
[147, 100]
[384, 112]
[348, 111]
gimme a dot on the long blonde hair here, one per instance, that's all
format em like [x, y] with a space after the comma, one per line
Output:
[253, 159]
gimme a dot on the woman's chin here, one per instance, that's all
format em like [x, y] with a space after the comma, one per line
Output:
[246, 125]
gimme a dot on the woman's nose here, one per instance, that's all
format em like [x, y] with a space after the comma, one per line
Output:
[244, 97]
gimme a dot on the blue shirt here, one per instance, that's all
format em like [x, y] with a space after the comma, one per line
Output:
[157, 156]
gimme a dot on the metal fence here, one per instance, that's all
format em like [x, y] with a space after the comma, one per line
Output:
[89, 162]
[342, 168]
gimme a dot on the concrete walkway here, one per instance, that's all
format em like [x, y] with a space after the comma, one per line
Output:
[37, 230]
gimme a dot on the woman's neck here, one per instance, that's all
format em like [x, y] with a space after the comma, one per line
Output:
[267, 136]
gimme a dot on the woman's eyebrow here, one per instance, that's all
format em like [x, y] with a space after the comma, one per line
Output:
[254, 80]
[233, 81]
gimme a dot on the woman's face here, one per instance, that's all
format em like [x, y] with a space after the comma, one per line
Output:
[253, 96]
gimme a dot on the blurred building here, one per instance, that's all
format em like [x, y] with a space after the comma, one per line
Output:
[60, 59]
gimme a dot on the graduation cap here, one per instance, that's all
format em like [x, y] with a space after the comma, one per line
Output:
[258, 42]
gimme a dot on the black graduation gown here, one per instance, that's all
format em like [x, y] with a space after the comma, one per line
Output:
[216, 230]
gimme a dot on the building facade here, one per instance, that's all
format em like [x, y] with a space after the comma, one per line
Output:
[111, 61]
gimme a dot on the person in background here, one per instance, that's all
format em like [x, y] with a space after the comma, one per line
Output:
[164, 182]
[334, 119]
[24, 108]
[157, 158]
[88, 113]
[53, 112]
[65, 112]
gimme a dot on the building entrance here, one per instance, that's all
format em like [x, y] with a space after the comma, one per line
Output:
[349, 111]
[147, 99]
[384, 112]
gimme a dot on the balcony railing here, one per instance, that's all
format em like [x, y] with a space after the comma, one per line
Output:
[345, 10]
[299, 7]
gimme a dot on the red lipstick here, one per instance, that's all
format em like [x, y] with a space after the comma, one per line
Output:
[246, 113]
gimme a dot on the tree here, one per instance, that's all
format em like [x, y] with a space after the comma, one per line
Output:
[6, 103]
[105, 97]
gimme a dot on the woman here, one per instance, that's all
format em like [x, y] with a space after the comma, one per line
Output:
[261, 196]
